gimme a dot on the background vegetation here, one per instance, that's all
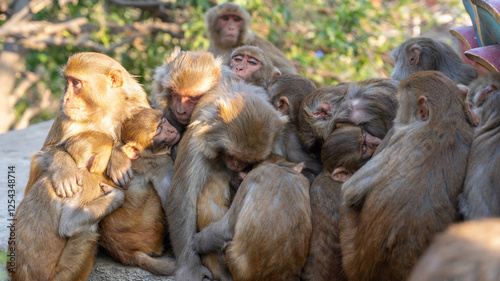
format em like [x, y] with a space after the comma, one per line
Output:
[329, 41]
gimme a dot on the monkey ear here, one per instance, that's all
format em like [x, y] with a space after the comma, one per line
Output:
[116, 78]
[423, 108]
[486, 91]
[276, 73]
[322, 111]
[283, 105]
[474, 113]
[298, 168]
[341, 174]
[414, 55]
[131, 150]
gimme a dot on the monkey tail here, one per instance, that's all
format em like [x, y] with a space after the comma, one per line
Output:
[155, 266]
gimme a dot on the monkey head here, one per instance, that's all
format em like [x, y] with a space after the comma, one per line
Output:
[237, 125]
[478, 90]
[251, 64]
[227, 25]
[148, 132]
[98, 88]
[182, 80]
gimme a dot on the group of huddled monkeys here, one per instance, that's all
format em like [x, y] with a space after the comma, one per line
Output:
[250, 172]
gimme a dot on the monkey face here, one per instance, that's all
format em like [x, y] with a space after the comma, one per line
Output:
[233, 163]
[244, 64]
[183, 107]
[230, 26]
[73, 104]
[166, 136]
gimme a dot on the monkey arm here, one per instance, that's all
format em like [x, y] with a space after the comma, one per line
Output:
[214, 237]
[119, 167]
[64, 174]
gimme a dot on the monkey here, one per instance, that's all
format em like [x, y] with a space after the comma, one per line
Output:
[345, 150]
[422, 53]
[480, 197]
[183, 79]
[99, 96]
[251, 64]
[481, 87]
[65, 229]
[228, 26]
[395, 203]
[230, 129]
[369, 103]
[268, 226]
[136, 231]
[467, 251]
[286, 93]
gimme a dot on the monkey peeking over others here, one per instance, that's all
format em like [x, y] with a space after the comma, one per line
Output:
[135, 233]
[251, 64]
[228, 26]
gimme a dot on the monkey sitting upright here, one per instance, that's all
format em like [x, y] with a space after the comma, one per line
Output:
[135, 232]
[56, 238]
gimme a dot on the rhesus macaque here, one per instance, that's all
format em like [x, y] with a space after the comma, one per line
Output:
[395, 204]
[251, 64]
[56, 238]
[136, 231]
[230, 129]
[286, 93]
[480, 88]
[481, 196]
[268, 226]
[346, 149]
[421, 53]
[468, 251]
[228, 27]
[181, 82]
[370, 103]
[99, 96]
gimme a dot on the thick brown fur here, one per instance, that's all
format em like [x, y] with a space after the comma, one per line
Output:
[238, 121]
[108, 96]
[481, 197]
[267, 227]
[245, 37]
[185, 73]
[265, 74]
[286, 93]
[396, 203]
[467, 251]
[65, 230]
[478, 90]
[135, 232]
[421, 53]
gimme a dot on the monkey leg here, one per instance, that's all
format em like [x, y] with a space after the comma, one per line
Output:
[77, 258]
[155, 266]
[75, 219]
[213, 203]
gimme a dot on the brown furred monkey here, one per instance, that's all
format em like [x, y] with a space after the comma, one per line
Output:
[99, 96]
[468, 251]
[136, 231]
[481, 195]
[396, 203]
[230, 129]
[228, 26]
[422, 53]
[478, 90]
[268, 226]
[180, 83]
[286, 93]
[346, 149]
[251, 64]
[65, 229]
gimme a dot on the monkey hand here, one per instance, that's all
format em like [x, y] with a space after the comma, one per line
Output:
[64, 175]
[192, 272]
[120, 168]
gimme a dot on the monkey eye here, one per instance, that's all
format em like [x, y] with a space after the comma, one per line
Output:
[253, 61]
[236, 18]
[163, 119]
[224, 18]
[238, 58]
[158, 130]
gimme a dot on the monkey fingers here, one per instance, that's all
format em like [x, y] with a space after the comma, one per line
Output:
[65, 176]
[194, 272]
[120, 168]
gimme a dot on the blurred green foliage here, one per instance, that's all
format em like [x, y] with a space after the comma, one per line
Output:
[330, 41]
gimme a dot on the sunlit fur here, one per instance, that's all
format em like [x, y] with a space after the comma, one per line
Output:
[266, 73]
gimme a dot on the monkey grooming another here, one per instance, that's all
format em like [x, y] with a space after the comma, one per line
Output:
[268, 226]
[136, 231]
[56, 238]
